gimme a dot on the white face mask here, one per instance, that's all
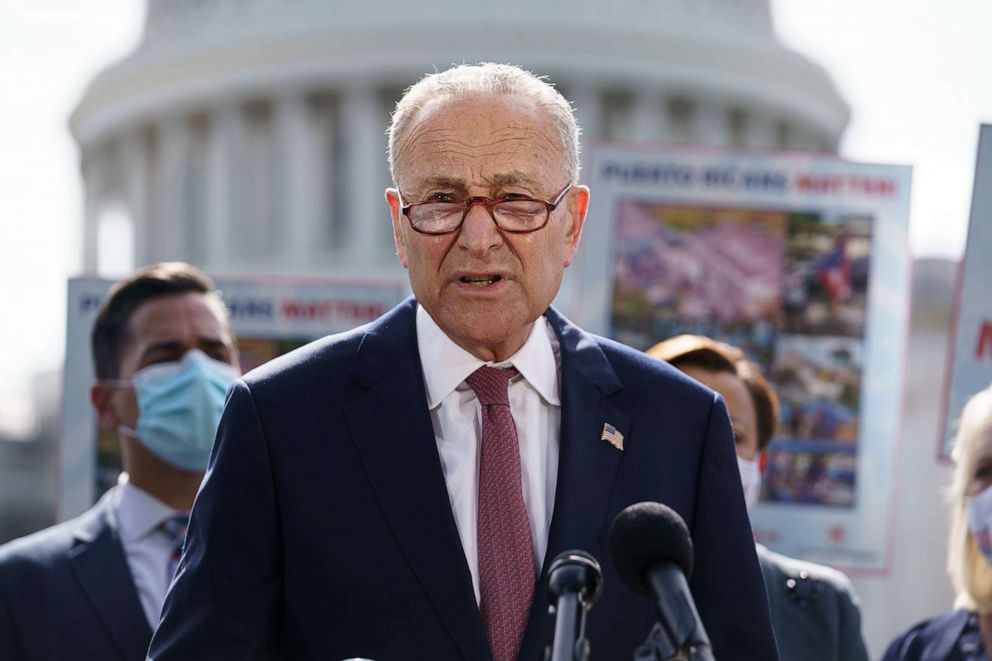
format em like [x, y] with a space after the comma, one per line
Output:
[980, 521]
[750, 480]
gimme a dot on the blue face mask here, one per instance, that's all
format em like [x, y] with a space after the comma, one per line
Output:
[179, 407]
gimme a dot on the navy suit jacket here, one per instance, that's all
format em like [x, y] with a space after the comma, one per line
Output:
[67, 593]
[815, 612]
[936, 639]
[323, 528]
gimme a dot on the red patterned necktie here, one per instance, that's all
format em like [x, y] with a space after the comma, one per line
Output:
[506, 552]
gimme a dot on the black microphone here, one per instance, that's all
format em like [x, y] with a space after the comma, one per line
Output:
[652, 552]
[575, 582]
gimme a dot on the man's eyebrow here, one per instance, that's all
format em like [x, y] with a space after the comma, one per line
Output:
[165, 345]
[441, 181]
[177, 345]
[496, 181]
[511, 178]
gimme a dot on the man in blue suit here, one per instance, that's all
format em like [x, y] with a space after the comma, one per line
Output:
[398, 491]
[92, 587]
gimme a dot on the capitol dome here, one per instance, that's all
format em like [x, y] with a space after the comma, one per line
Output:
[249, 135]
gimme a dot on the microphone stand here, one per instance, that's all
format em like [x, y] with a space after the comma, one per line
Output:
[575, 582]
[568, 643]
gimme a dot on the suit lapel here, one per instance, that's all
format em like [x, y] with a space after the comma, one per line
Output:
[942, 645]
[392, 431]
[98, 562]
[587, 465]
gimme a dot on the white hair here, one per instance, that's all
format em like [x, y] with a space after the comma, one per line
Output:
[487, 78]
[970, 572]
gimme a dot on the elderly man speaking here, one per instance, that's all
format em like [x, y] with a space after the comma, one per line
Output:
[398, 491]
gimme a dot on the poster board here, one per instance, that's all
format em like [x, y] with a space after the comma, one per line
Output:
[803, 261]
[971, 348]
[269, 315]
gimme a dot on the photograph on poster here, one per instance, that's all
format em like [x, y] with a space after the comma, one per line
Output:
[813, 457]
[788, 287]
[708, 271]
[826, 279]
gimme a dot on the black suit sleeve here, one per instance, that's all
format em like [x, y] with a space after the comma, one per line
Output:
[226, 599]
[10, 649]
[726, 582]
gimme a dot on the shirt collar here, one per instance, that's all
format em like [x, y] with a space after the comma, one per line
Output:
[446, 365]
[138, 512]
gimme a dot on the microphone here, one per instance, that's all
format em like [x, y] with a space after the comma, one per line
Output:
[575, 582]
[652, 552]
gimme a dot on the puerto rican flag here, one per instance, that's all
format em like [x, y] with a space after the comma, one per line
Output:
[833, 270]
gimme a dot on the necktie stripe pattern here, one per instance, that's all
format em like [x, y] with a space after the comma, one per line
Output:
[506, 551]
[175, 529]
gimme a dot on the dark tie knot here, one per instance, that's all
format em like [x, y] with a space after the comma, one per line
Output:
[490, 384]
[175, 526]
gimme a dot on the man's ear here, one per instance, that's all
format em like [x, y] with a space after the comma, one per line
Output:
[396, 215]
[577, 207]
[102, 399]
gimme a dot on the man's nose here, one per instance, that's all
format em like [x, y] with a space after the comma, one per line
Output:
[479, 232]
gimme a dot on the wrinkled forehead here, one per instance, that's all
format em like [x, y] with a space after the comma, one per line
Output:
[480, 131]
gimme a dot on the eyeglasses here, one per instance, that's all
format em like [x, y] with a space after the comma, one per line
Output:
[518, 215]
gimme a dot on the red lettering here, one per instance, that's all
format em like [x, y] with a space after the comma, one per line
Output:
[984, 339]
[809, 183]
[832, 184]
[869, 186]
[291, 309]
[323, 310]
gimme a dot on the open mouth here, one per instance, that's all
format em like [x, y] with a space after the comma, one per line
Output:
[481, 281]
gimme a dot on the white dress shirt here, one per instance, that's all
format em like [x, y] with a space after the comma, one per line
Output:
[146, 547]
[457, 419]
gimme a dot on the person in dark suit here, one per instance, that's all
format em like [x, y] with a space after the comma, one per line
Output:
[92, 587]
[965, 633]
[814, 609]
[398, 491]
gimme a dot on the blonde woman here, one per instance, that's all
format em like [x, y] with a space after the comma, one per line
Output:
[964, 634]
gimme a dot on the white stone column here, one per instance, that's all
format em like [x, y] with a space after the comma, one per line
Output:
[761, 131]
[294, 139]
[650, 117]
[363, 139]
[170, 238]
[711, 123]
[94, 170]
[222, 137]
[134, 158]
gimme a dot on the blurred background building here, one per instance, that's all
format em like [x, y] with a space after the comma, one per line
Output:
[248, 135]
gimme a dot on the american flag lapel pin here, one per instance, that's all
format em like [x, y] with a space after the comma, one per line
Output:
[612, 436]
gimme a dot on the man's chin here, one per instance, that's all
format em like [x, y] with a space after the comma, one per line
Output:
[495, 344]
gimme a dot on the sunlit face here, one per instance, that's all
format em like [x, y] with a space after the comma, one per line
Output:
[740, 406]
[981, 477]
[482, 286]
